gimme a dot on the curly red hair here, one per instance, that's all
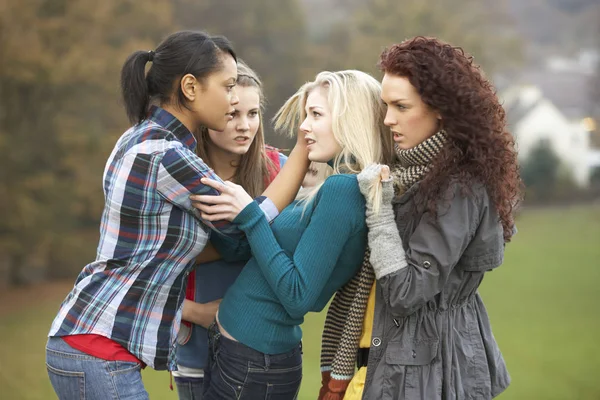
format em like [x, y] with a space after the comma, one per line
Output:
[479, 149]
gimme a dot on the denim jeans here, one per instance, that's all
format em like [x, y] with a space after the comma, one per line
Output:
[241, 373]
[76, 375]
[189, 388]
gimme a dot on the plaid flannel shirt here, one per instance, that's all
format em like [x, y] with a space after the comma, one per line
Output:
[150, 236]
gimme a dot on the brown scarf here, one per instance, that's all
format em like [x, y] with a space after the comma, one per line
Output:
[344, 320]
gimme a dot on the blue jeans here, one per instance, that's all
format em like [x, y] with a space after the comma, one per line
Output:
[189, 388]
[76, 375]
[241, 373]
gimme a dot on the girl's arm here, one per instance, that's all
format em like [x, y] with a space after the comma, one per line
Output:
[202, 314]
[181, 174]
[298, 279]
[282, 191]
[209, 254]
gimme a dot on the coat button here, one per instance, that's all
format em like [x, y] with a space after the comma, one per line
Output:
[426, 264]
[376, 342]
[414, 354]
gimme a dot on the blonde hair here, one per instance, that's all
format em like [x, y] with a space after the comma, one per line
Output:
[357, 112]
[254, 165]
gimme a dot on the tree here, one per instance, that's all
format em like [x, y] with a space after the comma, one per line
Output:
[482, 28]
[540, 171]
[59, 118]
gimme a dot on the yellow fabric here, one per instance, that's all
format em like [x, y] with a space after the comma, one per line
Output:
[357, 384]
[365, 338]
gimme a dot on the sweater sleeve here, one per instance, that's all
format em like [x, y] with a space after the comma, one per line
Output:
[299, 278]
[236, 248]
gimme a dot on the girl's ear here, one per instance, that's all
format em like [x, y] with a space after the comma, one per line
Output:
[189, 87]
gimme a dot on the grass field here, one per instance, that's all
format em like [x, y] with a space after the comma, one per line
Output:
[542, 304]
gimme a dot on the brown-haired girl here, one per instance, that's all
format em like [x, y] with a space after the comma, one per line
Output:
[237, 154]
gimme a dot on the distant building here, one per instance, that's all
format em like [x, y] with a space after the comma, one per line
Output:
[585, 62]
[533, 117]
[594, 159]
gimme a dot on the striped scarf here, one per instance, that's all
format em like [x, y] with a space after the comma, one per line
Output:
[414, 163]
[344, 320]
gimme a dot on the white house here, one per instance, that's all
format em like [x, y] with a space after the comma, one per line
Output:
[594, 159]
[532, 118]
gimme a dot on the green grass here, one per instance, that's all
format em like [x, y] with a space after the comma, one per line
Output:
[542, 303]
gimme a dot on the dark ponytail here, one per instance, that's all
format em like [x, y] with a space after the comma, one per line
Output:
[134, 86]
[181, 53]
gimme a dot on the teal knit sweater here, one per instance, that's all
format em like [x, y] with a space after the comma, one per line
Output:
[297, 264]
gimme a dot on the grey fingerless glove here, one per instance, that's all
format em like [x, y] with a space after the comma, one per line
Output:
[387, 252]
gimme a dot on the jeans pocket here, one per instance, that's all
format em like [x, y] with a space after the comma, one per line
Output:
[283, 391]
[67, 384]
[127, 379]
[227, 377]
[123, 367]
[279, 382]
[233, 374]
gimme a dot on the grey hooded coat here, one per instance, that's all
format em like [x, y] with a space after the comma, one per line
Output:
[432, 337]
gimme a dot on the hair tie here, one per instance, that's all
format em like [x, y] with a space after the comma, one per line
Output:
[151, 55]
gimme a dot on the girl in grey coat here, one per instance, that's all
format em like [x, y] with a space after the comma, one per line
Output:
[432, 241]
